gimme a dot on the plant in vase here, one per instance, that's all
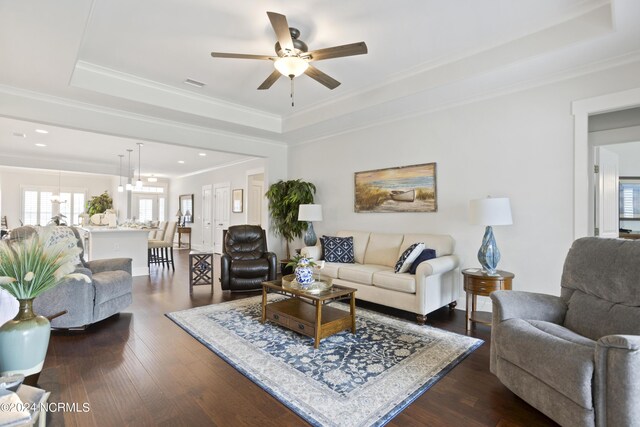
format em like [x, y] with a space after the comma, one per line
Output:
[303, 270]
[27, 269]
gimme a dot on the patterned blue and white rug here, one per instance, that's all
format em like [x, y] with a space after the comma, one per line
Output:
[351, 380]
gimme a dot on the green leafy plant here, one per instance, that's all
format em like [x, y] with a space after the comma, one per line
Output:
[301, 260]
[99, 204]
[284, 199]
[32, 266]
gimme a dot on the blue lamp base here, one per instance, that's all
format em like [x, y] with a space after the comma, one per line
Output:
[489, 255]
[310, 238]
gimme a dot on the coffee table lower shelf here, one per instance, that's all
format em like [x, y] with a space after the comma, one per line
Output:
[300, 316]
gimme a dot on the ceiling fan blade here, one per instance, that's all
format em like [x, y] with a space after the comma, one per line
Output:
[241, 56]
[270, 80]
[281, 27]
[321, 77]
[359, 48]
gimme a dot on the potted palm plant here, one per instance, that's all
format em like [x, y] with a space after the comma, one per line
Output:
[27, 269]
[285, 197]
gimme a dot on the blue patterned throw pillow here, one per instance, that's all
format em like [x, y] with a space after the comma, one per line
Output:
[408, 256]
[426, 255]
[337, 249]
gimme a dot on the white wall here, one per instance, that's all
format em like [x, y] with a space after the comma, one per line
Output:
[518, 145]
[12, 178]
[236, 175]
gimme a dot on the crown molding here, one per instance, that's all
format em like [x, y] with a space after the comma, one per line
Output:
[217, 167]
[134, 88]
[585, 24]
[490, 93]
[55, 102]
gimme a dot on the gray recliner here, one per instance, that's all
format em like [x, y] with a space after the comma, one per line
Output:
[576, 357]
[109, 292]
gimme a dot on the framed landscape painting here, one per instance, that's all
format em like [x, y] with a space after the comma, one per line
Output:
[401, 189]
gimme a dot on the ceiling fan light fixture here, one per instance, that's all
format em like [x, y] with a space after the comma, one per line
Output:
[291, 65]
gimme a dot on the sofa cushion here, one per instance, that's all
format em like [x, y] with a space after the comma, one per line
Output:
[111, 284]
[443, 244]
[360, 273]
[425, 255]
[337, 249]
[594, 317]
[383, 249]
[556, 356]
[360, 242]
[408, 256]
[330, 269]
[401, 282]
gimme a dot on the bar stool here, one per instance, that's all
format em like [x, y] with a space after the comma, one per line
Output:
[161, 251]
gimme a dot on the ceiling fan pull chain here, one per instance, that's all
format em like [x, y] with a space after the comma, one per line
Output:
[292, 98]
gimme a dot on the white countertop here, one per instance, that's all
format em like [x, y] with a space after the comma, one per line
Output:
[105, 229]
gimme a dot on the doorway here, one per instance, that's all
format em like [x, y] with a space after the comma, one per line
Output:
[255, 197]
[207, 214]
[583, 193]
[148, 207]
[221, 212]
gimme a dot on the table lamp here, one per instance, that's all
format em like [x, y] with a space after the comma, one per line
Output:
[179, 215]
[490, 211]
[310, 213]
[186, 214]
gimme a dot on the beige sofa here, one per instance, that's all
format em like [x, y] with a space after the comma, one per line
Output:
[434, 285]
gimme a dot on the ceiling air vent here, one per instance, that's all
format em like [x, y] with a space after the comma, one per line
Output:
[20, 134]
[194, 83]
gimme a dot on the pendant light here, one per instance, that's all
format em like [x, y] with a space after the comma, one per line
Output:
[129, 187]
[56, 198]
[120, 187]
[139, 181]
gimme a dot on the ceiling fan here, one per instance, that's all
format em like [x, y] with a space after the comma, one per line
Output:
[293, 57]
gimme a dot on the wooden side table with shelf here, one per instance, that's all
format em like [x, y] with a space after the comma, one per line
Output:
[181, 231]
[477, 282]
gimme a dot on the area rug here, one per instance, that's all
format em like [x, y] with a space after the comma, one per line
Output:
[351, 380]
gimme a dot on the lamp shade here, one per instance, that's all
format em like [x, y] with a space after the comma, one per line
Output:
[179, 213]
[291, 66]
[187, 213]
[490, 211]
[310, 213]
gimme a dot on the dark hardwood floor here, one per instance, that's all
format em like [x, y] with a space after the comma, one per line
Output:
[138, 368]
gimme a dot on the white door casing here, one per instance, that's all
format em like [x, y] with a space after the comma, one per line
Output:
[221, 213]
[607, 199]
[207, 217]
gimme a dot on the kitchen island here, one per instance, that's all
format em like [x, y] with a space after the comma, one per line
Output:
[119, 242]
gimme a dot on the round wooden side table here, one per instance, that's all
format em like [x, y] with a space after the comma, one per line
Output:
[477, 282]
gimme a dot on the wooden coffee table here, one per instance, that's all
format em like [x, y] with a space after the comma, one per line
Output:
[309, 314]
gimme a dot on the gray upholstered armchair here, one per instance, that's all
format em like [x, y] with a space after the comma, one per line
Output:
[109, 292]
[576, 357]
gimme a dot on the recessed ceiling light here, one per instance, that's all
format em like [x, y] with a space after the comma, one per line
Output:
[202, 154]
[42, 131]
[20, 134]
[192, 82]
[181, 161]
[152, 179]
[41, 145]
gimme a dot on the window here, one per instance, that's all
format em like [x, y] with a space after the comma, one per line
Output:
[46, 207]
[145, 210]
[150, 189]
[37, 207]
[161, 209]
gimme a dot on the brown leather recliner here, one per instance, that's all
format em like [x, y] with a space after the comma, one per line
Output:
[245, 261]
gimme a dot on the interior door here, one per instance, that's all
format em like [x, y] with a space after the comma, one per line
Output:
[221, 212]
[145, 207]
[607, 213]
[254, 203]
[207, 217]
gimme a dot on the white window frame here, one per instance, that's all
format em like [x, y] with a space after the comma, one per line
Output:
[54, 190]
